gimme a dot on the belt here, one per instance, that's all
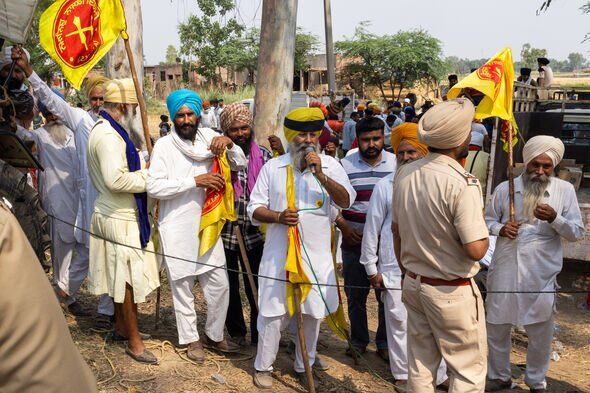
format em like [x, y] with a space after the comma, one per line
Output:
[459, 282]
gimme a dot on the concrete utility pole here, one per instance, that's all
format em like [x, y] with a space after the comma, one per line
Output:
[276, 62]
[330, 61]
[117, 65]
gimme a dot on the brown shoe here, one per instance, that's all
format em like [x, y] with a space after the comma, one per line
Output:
[320, 364]
[224, 346]
[195, 352]
[145, 357]
[262, 379]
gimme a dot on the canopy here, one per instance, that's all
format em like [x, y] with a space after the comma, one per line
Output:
[16, 18]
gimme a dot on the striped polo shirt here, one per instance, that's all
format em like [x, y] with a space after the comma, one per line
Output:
[363, 178]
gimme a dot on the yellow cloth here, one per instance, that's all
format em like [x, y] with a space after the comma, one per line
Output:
[337, 320]
[294, 264]
[447, 125]
[120, 91]
[302, 116]
[218, 208]
[77, 34]
[407, 132]
[495, 80]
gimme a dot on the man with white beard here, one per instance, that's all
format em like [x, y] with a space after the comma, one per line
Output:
[122, 264]
[293, 196]
[528, 257]
[59, 198]
[80, 122]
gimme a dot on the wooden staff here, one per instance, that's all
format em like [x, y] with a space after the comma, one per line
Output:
[510, 173]
[246, 263]
[301, 335]
[140, 100]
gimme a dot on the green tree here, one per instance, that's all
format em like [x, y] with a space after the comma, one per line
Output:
[529, 55]
[211, 38]
[171, 55]
[306, 44]
[242, 53]
[576, 61]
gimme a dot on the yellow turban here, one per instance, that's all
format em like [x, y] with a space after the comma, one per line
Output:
[303, 120]
[120, 91]
[407, 132]
[447, 125]
[95, 81]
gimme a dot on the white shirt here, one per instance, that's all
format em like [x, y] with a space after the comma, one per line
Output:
[547, 74]
[479, 128]
[533, 260]
[315, 231]
[57, 183]
[80, 122]
[377, 245]
[171, 179]
[208, 119]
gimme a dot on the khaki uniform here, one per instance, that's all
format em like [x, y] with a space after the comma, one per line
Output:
[37, 353]
[438, 208]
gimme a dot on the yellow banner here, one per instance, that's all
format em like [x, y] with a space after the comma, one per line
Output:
[294, 264]
[495, 81]
[337, 320]
[78, 33]
[218, 208]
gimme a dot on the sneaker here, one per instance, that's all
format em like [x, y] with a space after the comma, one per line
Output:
[494, 385]
[262, 379]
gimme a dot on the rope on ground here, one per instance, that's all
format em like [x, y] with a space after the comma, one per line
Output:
[102, 349]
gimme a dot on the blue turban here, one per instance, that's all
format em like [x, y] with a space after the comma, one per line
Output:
[178, 98]
[43, 108]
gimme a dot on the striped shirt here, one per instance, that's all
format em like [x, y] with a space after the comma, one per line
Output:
[363, 178]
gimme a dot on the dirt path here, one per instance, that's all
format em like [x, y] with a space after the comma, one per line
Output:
[116, 372]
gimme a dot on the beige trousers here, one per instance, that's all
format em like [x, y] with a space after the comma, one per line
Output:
[445, 322]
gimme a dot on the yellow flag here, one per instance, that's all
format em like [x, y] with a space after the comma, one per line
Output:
[337, 320]
[78, 33]
[495, 81]
[294, 264]
[218, 208]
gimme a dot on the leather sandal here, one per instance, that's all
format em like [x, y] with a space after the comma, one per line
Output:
[195, 352]
[225, 345]
[145, 357]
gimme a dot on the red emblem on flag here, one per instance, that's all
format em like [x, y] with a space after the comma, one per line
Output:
[213, 197]
[76, 32]
[492, 71]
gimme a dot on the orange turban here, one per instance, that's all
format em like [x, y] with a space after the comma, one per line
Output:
[206, 105]
[320, 105]
[407, 132]
[360, 107]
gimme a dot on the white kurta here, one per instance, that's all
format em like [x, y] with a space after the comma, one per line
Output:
[270, 192]
[81, 123]
[533, 260]
[208, 119]
[171, 179]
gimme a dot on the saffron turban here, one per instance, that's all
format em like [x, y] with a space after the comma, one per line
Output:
[407, 132]
[360, 107]
[321, 106]
[447, 125]
[206, 105]
[546, 144]
[120, 91]
[179, 98]
[93, 82]
[303, 120]
[235, 112]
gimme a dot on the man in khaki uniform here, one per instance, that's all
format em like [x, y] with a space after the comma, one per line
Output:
[37, 353]
[444, 235]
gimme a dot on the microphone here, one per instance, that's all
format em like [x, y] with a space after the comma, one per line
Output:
[310, 149]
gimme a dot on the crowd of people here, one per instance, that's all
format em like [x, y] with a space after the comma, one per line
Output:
[400, 187]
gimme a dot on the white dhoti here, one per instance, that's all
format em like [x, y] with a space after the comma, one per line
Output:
[396, 318]
[538, 352]
[215, 286]
[269, 336]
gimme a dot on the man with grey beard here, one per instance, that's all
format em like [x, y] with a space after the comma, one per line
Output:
[528, 257]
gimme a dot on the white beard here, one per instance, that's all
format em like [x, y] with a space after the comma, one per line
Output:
[297, 152]
[131, 125]
[533, 193]
[57, 131]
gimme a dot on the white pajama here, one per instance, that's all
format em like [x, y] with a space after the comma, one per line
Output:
[269, 336]
[215, 286]
[70, 265]
[537, 355]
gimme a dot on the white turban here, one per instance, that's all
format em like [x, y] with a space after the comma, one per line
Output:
[540, 144]
[447, 125]
[6, 59]
[477, 139]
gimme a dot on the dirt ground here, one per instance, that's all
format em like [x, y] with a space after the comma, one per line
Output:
[116, 372]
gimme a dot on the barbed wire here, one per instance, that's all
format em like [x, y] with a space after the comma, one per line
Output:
[382, 288]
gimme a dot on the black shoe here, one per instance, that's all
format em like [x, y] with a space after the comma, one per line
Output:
[357, 350]
[538, 390]
[494, 385]
[76, 310]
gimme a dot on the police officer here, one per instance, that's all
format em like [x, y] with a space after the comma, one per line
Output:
[439, 206]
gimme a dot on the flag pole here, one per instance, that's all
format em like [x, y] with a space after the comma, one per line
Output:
[247, 264]
[141, 101]
[301, 335]
[511, 173]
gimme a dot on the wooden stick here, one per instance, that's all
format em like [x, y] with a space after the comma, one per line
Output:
[510, 174]
[491, 162]
[301, 335]
[247, 264]
[158, 301]
[141, 101]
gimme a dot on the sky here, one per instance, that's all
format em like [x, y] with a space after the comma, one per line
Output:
[467, 28]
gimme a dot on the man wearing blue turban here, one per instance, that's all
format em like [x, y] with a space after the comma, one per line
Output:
[179, 176]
